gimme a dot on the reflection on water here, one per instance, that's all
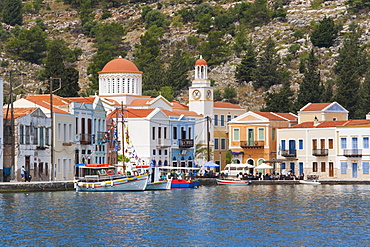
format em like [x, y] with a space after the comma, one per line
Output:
[283, 215]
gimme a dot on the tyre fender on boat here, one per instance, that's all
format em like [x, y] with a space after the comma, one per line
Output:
[110, 172]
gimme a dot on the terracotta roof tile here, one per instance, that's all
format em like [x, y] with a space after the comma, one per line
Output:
[131, 113]
[141, 101]
[57, 100]
[87, 100]
[289, 116]
[316, 106]
[178, 105]
[226, 105]
[18, 112]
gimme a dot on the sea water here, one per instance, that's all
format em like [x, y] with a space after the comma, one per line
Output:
[255, 215]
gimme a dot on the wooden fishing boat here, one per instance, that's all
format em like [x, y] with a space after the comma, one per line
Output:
[104, 177]
[180, 181]
[313, 182]
[232, 182]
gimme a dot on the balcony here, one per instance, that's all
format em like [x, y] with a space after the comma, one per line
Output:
[101, 137]
[289, 153]
[41, 147]
[186, 143]
[352, 152]
[320, 152]
[163, 143]
[252, 144]
[85, 139]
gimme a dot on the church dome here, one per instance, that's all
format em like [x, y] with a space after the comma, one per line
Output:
[119, 65]
[201, 61]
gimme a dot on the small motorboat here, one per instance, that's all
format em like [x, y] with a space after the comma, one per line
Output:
[314, 182]
[232, 182]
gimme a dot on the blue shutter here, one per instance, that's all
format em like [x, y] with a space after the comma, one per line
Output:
[343, 167]
[365, 167]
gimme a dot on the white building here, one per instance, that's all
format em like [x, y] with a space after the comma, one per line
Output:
[32, 140]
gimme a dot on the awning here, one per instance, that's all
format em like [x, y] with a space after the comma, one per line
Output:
[279, 160]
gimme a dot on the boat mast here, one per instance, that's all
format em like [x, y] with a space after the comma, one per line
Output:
[123, 139]
[208, 135]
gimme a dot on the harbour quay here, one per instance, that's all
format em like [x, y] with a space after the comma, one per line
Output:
[43, 186]
[37, 186]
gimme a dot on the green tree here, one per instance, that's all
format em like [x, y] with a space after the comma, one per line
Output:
[204, 24]
[230, 93]
[109, 46]
[217, 95]
[280, 101]
[28, 45]
[157, 18]
[259, 13]
[241, 40]
[215, 50]
[351, 64]
[168, 93]
[177, 72]
[55, 68]
[324, 33]
[149, 48]
[363, 106]
[202, 10]
[311, 89]
[245, 70]
[267, 72]
[12, 12]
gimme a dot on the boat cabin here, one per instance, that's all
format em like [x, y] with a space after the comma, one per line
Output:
[235, 169]
[94, 171]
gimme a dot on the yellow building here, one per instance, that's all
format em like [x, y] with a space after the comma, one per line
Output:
[223, 113]
[253, 135]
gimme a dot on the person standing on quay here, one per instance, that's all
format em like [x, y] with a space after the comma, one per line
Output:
[23, 173]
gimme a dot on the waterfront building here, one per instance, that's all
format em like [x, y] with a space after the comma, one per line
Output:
[325, 144]
[253, 136]
[152, 136]
[224, 112]
[336, 150]
[63, 146]
[32, 141]
[90, 130]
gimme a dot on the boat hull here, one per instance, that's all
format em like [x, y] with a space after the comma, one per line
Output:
[181, 183]
[232, 182]
[309, 182]
[137, 183]
[159, 185]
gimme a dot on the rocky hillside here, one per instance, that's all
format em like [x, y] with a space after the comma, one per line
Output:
[62, 21]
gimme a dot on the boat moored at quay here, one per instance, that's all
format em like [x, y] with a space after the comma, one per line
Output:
[105, 178]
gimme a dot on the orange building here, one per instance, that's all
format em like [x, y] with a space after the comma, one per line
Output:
[252, 137]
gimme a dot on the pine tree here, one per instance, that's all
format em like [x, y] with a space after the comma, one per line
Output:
[311, 89]
[324, 33]
[55, 68]
[351, 64]
[245, 70]
[109, 42]
[177, 72]
[280, 101]
[215, 50]
[267, 72]
[12, 12]
[363, 106]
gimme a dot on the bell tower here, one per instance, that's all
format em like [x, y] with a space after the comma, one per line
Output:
[201, 101]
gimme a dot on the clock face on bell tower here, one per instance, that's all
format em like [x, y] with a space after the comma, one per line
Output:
[209, 94]
[196, 94]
